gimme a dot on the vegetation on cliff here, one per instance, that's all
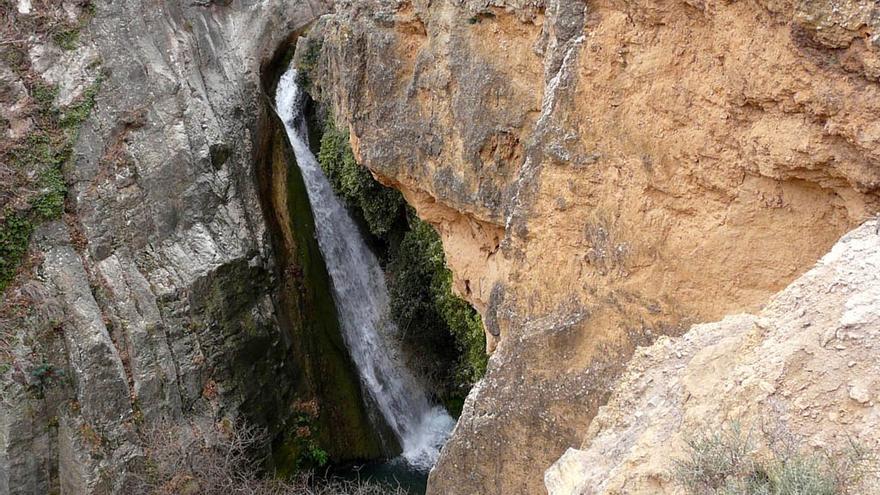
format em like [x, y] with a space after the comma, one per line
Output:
[725, 462]
[30, 164]
[222, 460]
[441, 333]
[379, 206]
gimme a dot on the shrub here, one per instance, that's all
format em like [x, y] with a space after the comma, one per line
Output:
[726, 463]
[380, 206]
[430, 314]
[226, 461]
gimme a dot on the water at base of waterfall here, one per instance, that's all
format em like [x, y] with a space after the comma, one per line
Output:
[395, 472]
[361, 299]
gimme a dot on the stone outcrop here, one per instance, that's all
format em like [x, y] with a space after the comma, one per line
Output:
[602, 173]
[156, 298]
[806, 365]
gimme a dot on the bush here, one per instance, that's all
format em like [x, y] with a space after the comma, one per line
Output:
[380, 206]
[726, 463]
[431, 317]
[226, 461]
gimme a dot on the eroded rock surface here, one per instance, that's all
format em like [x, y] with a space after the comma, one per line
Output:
[155, 295]
[602, 173]
[807, 365]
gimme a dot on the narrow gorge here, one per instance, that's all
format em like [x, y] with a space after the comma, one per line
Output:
[475, 247]
[362, 300]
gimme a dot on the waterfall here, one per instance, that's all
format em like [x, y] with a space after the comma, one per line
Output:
[362, 301]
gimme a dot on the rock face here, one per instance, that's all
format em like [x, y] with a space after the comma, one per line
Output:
[155, 299]
[807, 364]
[602, 173]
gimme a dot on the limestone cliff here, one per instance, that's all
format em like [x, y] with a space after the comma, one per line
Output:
[154, 300]
[602, 173]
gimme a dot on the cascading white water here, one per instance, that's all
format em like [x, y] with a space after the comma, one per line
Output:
[362, 300]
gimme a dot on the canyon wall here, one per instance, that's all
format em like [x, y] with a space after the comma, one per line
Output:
[154, 301]
[603, 173]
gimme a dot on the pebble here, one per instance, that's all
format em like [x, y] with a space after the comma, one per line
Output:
[859, 394]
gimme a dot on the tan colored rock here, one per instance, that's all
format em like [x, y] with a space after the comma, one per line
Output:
[719, 373]
[645, 164]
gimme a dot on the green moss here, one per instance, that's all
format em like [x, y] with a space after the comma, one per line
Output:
[44, 95]
[78, 112]
[67, 39]
[50, 203]
[380, 206]
[15, 232]
[43, 154]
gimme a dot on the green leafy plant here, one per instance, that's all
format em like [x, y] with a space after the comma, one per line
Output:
[380, 206]
[422, 301]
